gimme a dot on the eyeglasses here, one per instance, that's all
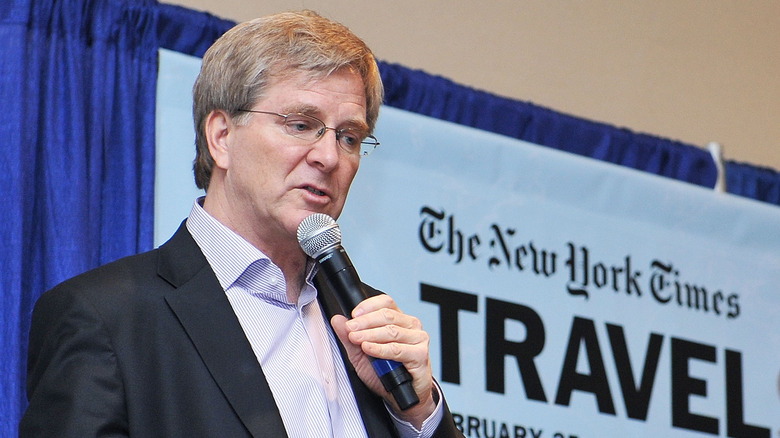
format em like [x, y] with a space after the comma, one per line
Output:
[311, 129]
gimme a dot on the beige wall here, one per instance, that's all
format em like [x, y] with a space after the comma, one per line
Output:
[689, 70]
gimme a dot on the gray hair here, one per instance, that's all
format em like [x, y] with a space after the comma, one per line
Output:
[242, 63]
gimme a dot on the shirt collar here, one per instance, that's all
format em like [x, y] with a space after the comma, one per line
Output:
[230, 255]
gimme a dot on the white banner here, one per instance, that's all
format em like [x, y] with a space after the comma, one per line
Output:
[565, 297]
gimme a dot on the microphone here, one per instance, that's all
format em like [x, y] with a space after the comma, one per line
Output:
[320, 238]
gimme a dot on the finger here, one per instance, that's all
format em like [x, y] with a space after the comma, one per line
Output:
[383, 317]
[371, 304]
[411, 355]
[389, 334]
[338, 322]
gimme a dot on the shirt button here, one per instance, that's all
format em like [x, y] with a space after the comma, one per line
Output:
[273, 281]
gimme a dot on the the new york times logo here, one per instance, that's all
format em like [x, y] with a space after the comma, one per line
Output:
[500, 247]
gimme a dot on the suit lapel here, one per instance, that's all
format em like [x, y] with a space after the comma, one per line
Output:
[205, 313]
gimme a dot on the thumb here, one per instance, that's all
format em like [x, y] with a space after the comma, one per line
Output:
[339, 324]
[359, 359]
[354, 352]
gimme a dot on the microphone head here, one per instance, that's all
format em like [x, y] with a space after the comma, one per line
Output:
[318, 233]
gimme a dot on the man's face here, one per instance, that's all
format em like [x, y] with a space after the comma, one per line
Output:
[272, 180]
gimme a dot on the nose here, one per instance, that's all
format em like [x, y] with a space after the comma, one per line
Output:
[325, 153]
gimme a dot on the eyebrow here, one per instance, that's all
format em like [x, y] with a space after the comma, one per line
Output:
[356, 123]
[300, 108]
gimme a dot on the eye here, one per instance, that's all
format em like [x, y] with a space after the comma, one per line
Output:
[351, 138]
[300, 125]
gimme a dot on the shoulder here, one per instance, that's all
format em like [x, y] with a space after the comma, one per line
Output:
[119, 276]
[114, 285]
[141, 276]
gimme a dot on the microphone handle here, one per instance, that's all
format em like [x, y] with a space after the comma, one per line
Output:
[349, 293]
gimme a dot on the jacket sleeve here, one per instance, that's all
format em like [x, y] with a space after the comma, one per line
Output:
[74, 386]
[447, 427]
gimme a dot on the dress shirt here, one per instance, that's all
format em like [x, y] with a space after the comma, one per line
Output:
[293, 343]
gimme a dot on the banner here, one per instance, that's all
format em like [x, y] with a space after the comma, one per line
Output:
[565, 297]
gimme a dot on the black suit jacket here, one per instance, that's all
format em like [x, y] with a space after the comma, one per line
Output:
[149, 346]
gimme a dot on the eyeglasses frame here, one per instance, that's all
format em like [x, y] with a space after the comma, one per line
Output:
[372, 141]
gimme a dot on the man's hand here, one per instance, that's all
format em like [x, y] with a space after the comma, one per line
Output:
[378, 328]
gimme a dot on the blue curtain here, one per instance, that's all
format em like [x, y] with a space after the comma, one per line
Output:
[77, 86]
[77, 90]
[753, 182]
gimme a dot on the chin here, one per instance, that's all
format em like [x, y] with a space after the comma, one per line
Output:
[303, 214]
[306, 212]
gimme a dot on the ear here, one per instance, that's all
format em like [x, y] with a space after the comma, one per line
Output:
[218, 128]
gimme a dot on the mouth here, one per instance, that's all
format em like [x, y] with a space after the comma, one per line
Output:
[314, 190]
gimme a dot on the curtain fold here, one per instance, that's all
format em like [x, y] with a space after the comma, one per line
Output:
[77, 91]
[760, 183]
[187, 31]
[77, 86]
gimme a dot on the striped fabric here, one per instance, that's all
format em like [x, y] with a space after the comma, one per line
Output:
[292, 341]
[298, 352]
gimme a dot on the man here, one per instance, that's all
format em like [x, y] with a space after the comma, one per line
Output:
[223, 330]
